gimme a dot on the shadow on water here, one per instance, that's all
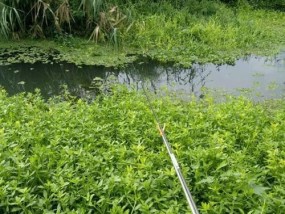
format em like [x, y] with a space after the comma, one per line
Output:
[265, 77]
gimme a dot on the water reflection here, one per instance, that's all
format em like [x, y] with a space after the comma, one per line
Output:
[174, 78]
[266, 76]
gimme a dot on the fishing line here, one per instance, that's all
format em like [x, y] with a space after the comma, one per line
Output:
[174, 161]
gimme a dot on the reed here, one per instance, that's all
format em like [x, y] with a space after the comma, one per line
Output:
[10, 20]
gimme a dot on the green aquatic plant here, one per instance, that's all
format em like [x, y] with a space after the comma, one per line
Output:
[68, 156]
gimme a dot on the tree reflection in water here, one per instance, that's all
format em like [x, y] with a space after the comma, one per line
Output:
[81, 82]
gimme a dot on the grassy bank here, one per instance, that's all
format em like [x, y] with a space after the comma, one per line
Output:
[107, 156]
[218, 38]
[195, 31]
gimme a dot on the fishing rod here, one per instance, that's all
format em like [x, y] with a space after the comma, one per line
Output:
[174, 161]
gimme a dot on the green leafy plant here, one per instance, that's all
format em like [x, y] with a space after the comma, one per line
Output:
[68, 156]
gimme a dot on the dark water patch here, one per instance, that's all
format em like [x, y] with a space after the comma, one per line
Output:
[49, 78]
[258, 76]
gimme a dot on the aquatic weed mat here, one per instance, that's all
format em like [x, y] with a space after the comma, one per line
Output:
[80, 52]
[30, 54]
[107, 156]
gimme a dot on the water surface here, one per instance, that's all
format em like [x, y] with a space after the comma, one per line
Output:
[262, 77]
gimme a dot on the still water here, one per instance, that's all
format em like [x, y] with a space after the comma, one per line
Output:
[261, 77]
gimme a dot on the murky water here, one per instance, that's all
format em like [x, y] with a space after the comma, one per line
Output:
[263, 77]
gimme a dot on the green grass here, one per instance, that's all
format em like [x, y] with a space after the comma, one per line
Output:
[185, 38]
[107, 156]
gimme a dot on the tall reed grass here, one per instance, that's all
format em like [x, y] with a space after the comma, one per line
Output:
[41, 18]
[44, 17]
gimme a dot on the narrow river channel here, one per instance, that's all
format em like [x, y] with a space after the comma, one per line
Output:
[263, 78]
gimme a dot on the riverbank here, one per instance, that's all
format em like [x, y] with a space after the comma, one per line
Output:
[219, 35]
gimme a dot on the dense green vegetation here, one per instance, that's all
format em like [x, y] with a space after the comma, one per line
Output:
[67, 156]
[182, 31]
[39, 18]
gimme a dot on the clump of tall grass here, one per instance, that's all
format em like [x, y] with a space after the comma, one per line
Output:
[42, 17]
[10, 20]
[32, 16]
[39, 18]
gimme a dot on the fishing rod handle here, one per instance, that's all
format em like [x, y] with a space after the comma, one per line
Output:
[183, 183]
[187, 192]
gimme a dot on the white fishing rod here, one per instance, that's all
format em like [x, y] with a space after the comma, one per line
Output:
[174, 161]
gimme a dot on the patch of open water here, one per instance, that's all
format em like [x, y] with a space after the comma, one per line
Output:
[261, 77]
